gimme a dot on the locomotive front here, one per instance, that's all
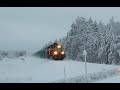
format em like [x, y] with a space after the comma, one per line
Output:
[56, 52]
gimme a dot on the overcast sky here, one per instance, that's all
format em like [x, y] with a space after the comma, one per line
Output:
[29, 28]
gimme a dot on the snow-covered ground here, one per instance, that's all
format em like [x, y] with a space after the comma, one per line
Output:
[115, 79]
[32, 69]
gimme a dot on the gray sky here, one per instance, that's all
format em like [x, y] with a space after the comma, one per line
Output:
[29, 28]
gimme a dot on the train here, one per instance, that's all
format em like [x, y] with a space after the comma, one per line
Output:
[55, 51]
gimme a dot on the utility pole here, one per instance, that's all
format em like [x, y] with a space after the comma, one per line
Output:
[64, 75]
[85, 54]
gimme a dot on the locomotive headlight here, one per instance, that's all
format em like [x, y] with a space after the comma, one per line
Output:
[119, 70]
[55, 52]
[62, 52]
[59, 46]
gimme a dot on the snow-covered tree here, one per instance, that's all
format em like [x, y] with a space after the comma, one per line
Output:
[98, 39]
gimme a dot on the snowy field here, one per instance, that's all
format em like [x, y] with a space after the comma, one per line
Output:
[36, 70]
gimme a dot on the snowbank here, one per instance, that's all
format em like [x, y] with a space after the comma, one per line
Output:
[115, 79]
[92, 77]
